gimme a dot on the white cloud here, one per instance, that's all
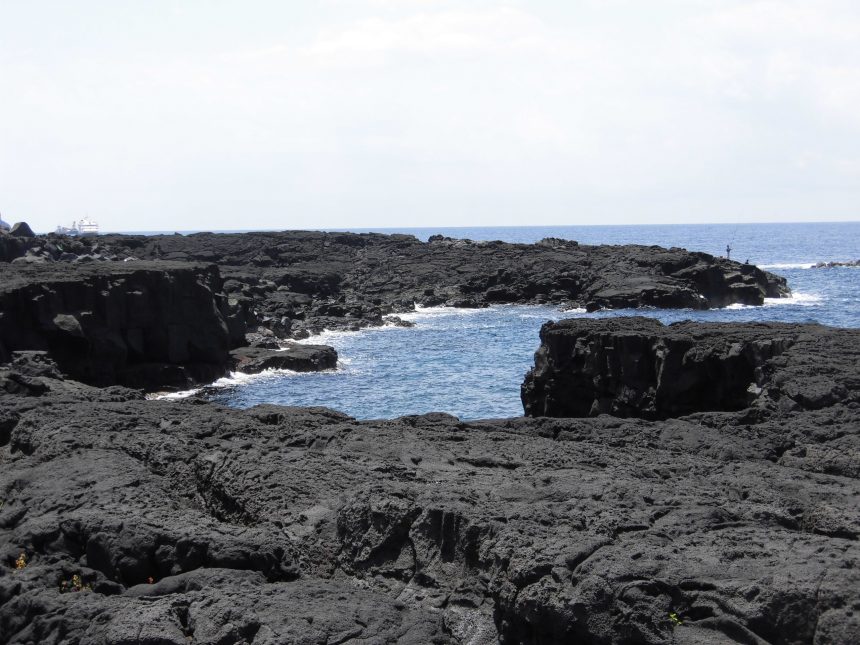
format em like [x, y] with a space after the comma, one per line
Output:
[807, 54]
[370, 112]
[495, 31]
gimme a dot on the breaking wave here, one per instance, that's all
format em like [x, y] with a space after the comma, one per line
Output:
[237, 379]
[787, 265]
[795, 299]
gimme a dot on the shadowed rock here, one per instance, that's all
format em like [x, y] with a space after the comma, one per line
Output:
[140, 324]
[638, 367]
[21, 229]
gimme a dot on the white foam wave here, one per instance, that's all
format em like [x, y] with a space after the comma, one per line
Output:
[332, 336]
[240, 378]
[796, 299]
[433, 312]
[553, 314]
[326, 337]
[171, 396]
[804, 265]
[235, 379]
[787, 265]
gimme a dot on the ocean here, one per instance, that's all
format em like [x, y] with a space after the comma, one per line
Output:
[470, 363]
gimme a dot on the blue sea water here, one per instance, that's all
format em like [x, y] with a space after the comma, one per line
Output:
[471, 363]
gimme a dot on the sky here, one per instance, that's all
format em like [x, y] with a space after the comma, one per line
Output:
[214, 115]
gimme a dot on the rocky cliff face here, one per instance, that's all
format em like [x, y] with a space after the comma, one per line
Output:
[638, 367]
[140, 324]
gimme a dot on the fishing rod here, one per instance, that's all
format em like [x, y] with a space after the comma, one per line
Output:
[729, 245]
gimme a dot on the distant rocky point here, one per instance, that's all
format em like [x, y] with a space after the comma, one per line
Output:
[831, 265]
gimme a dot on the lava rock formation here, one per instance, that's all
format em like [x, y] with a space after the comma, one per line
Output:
[138, 324]
[298, 283]
[638, 367]
[175, 522]
[679, 484]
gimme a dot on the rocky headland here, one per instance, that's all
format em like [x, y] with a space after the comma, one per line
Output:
[298, 283]
[668, 484]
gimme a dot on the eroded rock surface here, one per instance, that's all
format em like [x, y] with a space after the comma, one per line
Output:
[730, 514]
[638, 367]
[189, 522]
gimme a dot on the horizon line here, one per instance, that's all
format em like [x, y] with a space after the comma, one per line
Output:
[466, 227]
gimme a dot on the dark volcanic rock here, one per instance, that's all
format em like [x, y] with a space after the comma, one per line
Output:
[32, 380]
[293, 356]
[188, 520]
[141, 324]
[730, 515]
[21, 229]
[301, 282]
[397, 321]
[151, 521]
[832, 265]
[642, 368]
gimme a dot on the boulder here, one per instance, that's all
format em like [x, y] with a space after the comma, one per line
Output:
[293, 356]
[22, 229]
[397, 321]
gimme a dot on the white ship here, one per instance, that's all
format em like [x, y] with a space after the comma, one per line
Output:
[85, 228]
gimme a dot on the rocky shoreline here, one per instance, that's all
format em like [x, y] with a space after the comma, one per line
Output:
[166, 310]
[691, 483]
[298, 283]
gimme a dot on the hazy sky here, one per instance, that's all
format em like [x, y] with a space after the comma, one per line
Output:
[196, 114]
